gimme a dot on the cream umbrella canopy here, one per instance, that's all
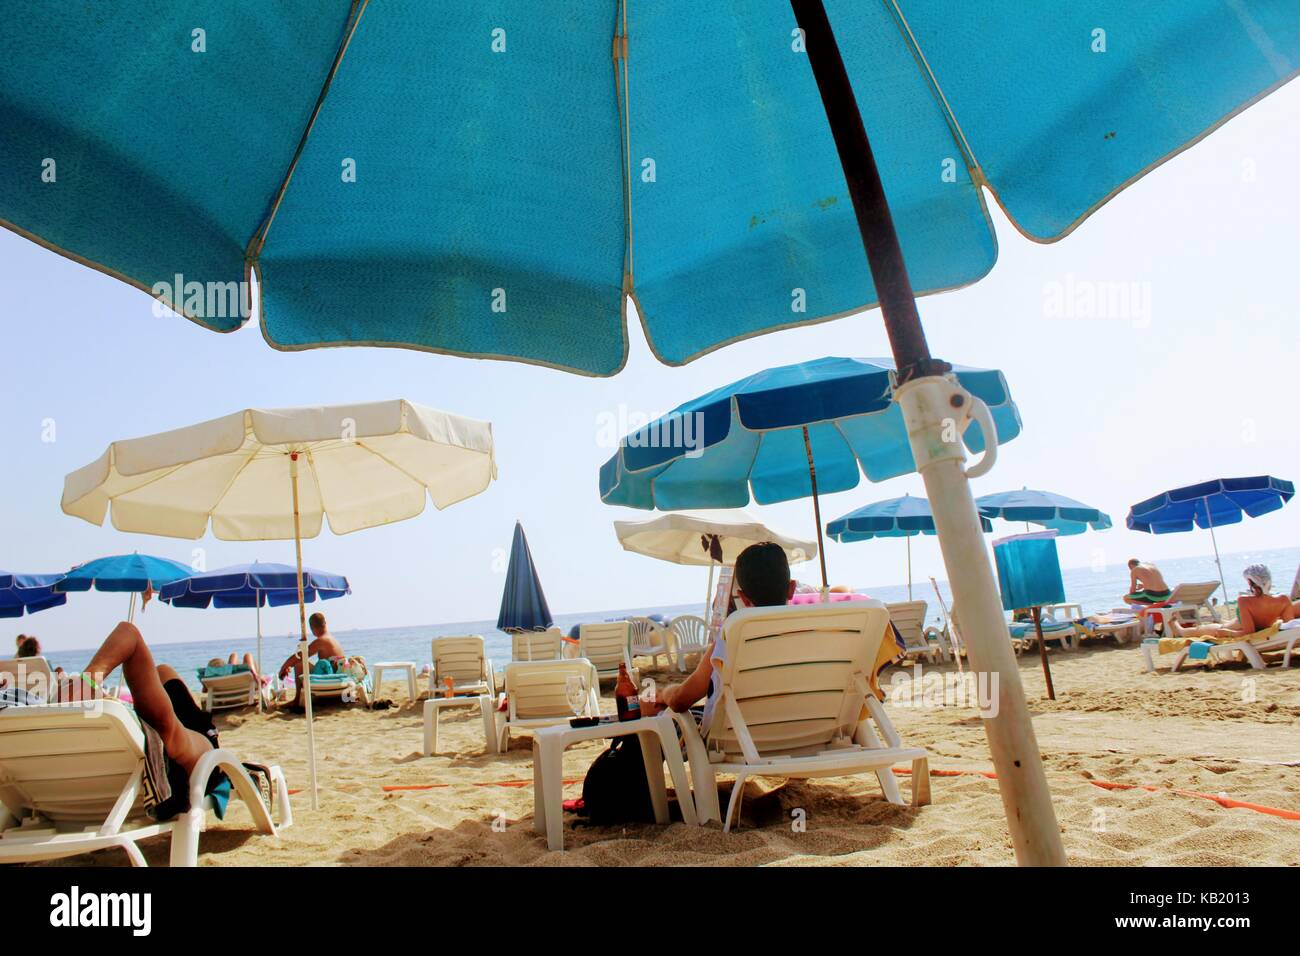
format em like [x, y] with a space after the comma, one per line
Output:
[708, 537]
[275, 474]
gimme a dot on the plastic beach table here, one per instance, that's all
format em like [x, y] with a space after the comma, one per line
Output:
[658, 741]
[433, 708]
[407, 667]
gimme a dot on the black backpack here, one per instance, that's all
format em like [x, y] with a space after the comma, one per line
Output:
[615, 789]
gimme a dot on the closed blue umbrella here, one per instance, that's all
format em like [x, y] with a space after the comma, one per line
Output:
[135, 573]
[1208, 505]
[523, 605]
[254, 585]
[28, 593]
[784, 433]
[1064, 515]
[892, 518]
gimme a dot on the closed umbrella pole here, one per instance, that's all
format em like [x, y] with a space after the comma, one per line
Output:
[930, 404]
[302, 623]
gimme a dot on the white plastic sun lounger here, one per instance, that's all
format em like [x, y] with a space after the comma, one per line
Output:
[71, 781]
[232, 690]
[32, 674]
[463, 659]
[920, 641]
[606, 646]
[547, 645]
[1270, 640]
[690, 636]
[537, 696]
[343, 687]
[794, 691]
[648, 639]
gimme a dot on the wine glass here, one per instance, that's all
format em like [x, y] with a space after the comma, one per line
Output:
[576, 692]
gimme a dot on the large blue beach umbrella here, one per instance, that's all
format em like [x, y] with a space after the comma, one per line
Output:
[1208, 505]
[404, 198]
[255, 585]
[1064, 515]
[902, 517]
[523, 605]
[791, 432]
[28, 593]
[135, 573]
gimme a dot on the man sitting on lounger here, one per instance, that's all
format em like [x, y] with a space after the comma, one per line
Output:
[1255, 611]
[323, 648]
[1146, 584]
[762, 580]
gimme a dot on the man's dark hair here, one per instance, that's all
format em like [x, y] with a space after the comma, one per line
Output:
[317, 620]
[1133, 562]
[763, 573]
[30, 647]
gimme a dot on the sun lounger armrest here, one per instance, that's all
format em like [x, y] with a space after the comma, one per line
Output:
[227, 762]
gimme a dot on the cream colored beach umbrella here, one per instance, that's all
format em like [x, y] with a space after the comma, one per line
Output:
[273, 474]
[709, 537]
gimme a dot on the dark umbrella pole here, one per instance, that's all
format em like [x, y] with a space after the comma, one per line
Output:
[817, 510]
[936, 411]
[1042, 652]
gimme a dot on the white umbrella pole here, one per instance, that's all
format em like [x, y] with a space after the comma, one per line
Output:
[931, 406]
[259, 634]
[303, 644]
[1209, 520]
[708, 597]
[909, 566]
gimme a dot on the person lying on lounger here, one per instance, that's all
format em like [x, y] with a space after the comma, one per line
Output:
[232, 665]
[1255, 611]
[161, 700]
[762, 580]
[1145, 583]
[323, 648]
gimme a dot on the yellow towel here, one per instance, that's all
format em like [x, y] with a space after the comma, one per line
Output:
[1172, 645]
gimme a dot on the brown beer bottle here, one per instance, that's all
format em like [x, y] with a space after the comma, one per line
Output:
[626, 698]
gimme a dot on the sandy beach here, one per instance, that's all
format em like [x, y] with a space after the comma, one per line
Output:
[1231, 731]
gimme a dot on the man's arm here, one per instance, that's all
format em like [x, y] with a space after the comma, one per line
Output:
[684, 695]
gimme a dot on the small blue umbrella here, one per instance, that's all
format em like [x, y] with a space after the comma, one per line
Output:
[1210, 504]
[28, 593]
[254, 585]
[523, 605]
[1046, 508]
[135, 573]
[892, 518]
[784, 433]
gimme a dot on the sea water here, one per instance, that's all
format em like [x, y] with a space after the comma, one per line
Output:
[1095, 588]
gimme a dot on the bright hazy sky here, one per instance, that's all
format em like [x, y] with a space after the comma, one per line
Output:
[1199, 381]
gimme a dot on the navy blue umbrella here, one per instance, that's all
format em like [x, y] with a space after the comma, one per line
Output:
[28, 593]
[254, 585]
[1208, 505]
[523, 605]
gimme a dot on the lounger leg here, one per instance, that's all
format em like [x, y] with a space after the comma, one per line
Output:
[185, 838]
[430, 728]
[737, 790]
[653, 757]
[539, 804]
[704, 783]
[283, 810]
[548, 759]
[1252, 655]
[133, 853]
[889, 784]
[685, 799]
[921, 782]
[489, 724]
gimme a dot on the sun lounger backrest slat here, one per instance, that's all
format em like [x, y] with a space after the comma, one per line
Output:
[536, 645]
[540, 689]
[68, 762]
[33, 674]
[460, 658]
[909, 618]
[605, 645]
[1195, 593]
[793, 674]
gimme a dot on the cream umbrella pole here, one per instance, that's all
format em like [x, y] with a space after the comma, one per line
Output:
[303, 644]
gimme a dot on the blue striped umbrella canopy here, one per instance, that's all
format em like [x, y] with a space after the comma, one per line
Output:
[473, 178]
[253, 585]
[1064, 515]
[28, 593]
[1209, 505]
[523, 605]
[784, 433]
[892, 518]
